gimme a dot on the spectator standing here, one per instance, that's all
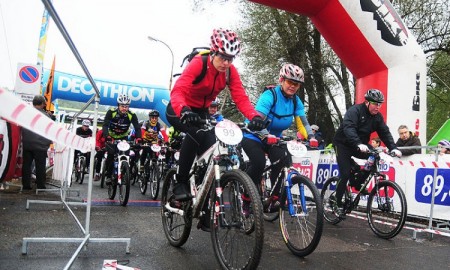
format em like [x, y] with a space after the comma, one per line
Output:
[407, 138]
[34, 149]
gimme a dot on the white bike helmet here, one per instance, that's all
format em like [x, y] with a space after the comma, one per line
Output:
[292, 72]
[86, 122]
[123, 99]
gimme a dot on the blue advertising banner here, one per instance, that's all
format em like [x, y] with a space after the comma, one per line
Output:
[77, 88]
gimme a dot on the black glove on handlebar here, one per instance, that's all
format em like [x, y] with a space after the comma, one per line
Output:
[256, 124]
[189, 117]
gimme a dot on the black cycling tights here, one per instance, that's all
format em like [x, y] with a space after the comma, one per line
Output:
[257, 161]
[195, 143]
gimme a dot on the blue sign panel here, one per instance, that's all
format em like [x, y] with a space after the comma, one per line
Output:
[424, 186]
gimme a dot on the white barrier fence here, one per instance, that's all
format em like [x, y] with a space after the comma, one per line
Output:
[17, 111]
[415, 174]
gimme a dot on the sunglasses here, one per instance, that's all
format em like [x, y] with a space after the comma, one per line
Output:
[291, 82]
[124, 106]
[376, 103]
[225, 58]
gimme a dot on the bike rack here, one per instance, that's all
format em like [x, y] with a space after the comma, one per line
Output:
[85, 230]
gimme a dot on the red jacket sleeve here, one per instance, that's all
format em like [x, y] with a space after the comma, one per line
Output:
[200, 95]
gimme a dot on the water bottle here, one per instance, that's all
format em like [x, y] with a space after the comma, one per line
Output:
[369, 163]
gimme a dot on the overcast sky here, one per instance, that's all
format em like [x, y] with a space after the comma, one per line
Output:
[110, 35]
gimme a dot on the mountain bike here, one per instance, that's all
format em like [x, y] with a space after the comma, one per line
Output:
[386, 203]
[296, 201]
[79, 168]
[237, 229]
[121, 175]
[153, 171]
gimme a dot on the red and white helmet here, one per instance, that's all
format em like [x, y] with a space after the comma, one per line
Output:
[225, 41]
[292, 72]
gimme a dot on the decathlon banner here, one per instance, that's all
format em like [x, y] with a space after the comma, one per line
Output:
[77, 88]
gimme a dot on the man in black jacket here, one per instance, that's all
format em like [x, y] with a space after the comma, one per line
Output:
[34, 148]
[352, 137]
[407, 138]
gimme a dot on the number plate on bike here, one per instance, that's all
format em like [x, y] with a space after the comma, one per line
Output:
[296, 149]
[228, 132]
[155, 148]
[123, 146]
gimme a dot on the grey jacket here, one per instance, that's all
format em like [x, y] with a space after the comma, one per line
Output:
[33, 141]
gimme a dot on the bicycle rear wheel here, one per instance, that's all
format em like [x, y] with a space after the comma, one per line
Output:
[303, 230]
[235, 246]
[124, 187]
[328, 196]
[176, 227]
[386, 209]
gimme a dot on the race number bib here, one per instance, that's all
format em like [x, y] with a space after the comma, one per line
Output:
[228, 132]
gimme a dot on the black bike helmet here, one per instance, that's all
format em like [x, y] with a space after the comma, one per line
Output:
[374, 95]
[153, 113]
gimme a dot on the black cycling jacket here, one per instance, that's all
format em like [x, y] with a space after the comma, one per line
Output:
[357, 126]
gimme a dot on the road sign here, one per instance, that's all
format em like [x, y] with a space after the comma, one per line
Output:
[28, 79]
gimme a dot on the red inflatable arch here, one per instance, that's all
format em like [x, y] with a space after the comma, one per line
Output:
[372, 41]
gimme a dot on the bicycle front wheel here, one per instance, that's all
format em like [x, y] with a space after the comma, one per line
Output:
[82, 169]
[328, 196]
[154, 182]
[124, 187]
[386, 209]
[103, 173]
[176, 227]
[303, 228]
[235, 245]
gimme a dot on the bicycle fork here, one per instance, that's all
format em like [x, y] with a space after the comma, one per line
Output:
[287, 185]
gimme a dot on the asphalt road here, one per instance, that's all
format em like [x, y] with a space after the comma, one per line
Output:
[348, 245]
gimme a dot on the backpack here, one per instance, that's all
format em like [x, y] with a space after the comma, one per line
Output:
[204, 52]
[271, 88]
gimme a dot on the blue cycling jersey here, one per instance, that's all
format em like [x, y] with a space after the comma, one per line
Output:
[284, 107]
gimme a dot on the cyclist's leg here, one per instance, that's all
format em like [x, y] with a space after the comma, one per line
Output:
[344, 160]
[143, 157]
[277, 153]
[257, 159]
[109, 163]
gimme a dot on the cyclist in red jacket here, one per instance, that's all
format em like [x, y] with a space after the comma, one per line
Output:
[189, 101]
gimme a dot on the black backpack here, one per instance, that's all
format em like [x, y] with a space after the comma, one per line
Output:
[204, 52]
[271, 88]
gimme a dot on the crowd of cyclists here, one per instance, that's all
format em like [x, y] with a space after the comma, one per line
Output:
[192, 101]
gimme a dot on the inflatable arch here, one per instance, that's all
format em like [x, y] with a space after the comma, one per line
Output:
[372, 41]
